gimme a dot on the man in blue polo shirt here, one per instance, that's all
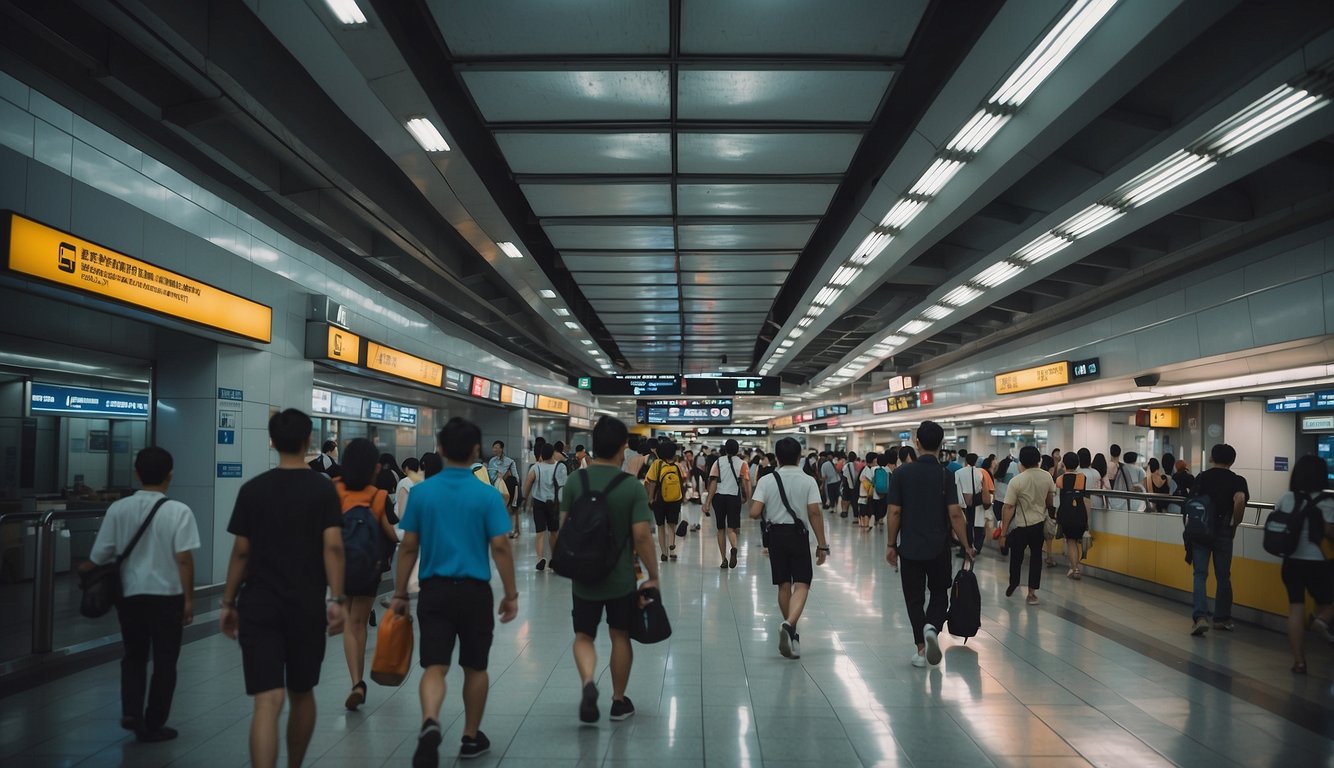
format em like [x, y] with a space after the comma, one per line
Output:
[453, 520]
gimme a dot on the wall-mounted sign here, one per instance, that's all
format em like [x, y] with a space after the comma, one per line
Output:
[1165, 418]
[905, 435]
[902, 402]
[879, 406]
[458, 381]
[1085, 369]
[225, 393]
[513, 395]
[392, 413]
[1029, 379]
[345, 405]
[1310, 401]
[552, 404]
[732, 432]
[81, 401]
[926, 397]
[901, 383]
[343, 345]
[230, 469]
[1317, 423]
[585, 382]
[814, 414]
[39, 251]
[404, 366]
[675, 412]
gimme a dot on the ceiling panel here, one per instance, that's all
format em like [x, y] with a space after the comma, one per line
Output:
[766, 153]
[752, 319]
[535, 27]
[754, 199]
[737, 288]
[635, 320]
[630, 262]
[612, 237]
[661, 290]
[599, 199]
[585, 279]
[583, 95]
[803, 27]
[719, 262]
[727, 305]
[787, 94]
[775, 278]
[784, 235]
[636, 305]
[600, 153]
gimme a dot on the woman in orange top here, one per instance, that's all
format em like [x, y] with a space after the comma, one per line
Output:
[356, 488]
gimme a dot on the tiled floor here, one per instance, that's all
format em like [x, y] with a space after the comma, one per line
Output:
[1096, 675]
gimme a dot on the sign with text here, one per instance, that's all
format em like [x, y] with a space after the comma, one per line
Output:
[57, 257]
[81, 401]
[732, 432]
[552, 404]
[1029, 379]
[343, 345]
[1085, 369]
[685, 411]
[404, 366]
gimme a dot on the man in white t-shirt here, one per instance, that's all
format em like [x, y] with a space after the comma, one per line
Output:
[789, 502]
[975, 489]
[157, 591]
[729, 487]
[1130, 478]
[542, 489]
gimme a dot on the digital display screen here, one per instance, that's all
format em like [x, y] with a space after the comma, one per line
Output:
[1085, 369]
[1324, 448]
[346, 405]
[321, 400]
[80, 401]
[480, 387]
[667, 412]
[1291, 403]
[458, 381]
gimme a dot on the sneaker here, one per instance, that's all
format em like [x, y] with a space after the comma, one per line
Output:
[932, 638]
[1201, 626]
[796, 646]
[785, 635]
[918, 660]
[428, 746]
[621, 710]
[1225, 625]
[731, 561]
[588, 705]
[160, 733]
[542, 564]
[664, 557]
[474, 747]
[1032, 600]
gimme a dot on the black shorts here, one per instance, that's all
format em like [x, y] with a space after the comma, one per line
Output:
[790, 554]
[831, 492]
[621, 611]
[727, 511]
[546, 516]
[1314, 576]
[281, 646]
[849, 495]
[666, 512]
[455, 609]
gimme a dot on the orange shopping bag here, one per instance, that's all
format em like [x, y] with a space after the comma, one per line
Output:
[393, 650]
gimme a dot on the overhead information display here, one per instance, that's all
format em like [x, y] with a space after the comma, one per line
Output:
[81, 401]
[710, 411]
[666, 384]
[732, 432]
[1029, 379]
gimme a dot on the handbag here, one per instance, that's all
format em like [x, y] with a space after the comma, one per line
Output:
[393, 650]
[102, 586]
[651, 624]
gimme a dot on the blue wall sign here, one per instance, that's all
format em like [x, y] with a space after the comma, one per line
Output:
[226, 437]
[80, 401]
[229, 469]
[230, 394]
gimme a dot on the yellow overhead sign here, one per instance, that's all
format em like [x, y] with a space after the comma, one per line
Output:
[554, 404]
[401, 364]
[49, 254]
[344, 346]
[1050, 375]
[1164, 418]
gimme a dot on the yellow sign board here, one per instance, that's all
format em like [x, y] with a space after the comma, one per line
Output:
[782, 422]
[40, 251]
[401, 364]
[1050, 375]
[344, 346]
[1164, 418]
[553, 404]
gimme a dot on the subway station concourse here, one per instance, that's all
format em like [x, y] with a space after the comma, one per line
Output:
[1043, 225]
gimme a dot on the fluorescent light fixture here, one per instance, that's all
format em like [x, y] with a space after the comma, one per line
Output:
[805, 322]
[796, 333]
[586, 342]
[870, 247]
[936, 177]
[426, 134]
[828, 296]
[561, 312]
[902, 214]
[347, 12]
[547, 293]
[785, 343]
[571, 325]
[996, 274]
[914, 327]
[814, 311]
[863, 359]
[845, 275]
[894, 340]
[1043, 246]
[937, 312]
[1063, 38]
[961, 296]
[849, 370]
[594, 352]
[881, 350]
[977, 132]
[511, 250]
[1090, 220]
[1180, 167]
[1270, 114]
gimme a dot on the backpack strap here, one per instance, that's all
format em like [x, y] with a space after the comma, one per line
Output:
[140, 533]
[782, 494]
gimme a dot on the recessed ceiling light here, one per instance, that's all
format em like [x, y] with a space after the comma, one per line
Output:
[547, 293]
[815, 311]
[586, 342]
[571, 325]
[427, 135]
[914, 327]
[894, 340]
[785, 343]
[561, 312]
[594, 352]
[347, 12]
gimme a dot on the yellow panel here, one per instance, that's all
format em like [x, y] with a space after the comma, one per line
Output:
[344, 346]
[401, 364]
[40, 251]
[554, 404]
[1041, 377]
[1164, 418]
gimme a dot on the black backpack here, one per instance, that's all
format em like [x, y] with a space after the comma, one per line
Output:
[362, 551]
[1198, 514]
[587, 549]
[1283, 530]
[965, 615]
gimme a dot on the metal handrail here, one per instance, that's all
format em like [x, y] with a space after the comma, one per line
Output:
[18, 517]
[1151, 499]
[44, 575]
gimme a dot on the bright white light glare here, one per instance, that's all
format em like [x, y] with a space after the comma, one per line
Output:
[1270, 114]
[834, 381]
[594, 352]
[902, 214]
[796, 333]
[547, 293]
[1180, 167]
[977, 132]
[960, 296]
[870, 247]
[571, 325]
[937, 312]
[894, 340]
[805, 322]
[1043, 246]
[914, 327]
[863, 359]
[561, 312]
[511, 250]
[426, 134]
[845, 275]
[586, 342]
[849, 370]
[1090, 220]
[815, 311]
[346, 11]
[881, 350]
[1063, 38]
[936, 177]
[827, 296]
[996, 274]
[785, 343]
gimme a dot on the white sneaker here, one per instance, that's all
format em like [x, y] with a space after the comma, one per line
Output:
[919, 661]
[932, 639]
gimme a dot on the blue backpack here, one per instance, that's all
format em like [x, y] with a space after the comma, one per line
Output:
[1198, 516]
[881, 481]
[361, 551]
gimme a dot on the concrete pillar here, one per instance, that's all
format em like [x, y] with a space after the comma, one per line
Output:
[1092, 431]
[1263, 441]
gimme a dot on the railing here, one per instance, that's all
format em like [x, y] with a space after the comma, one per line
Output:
[44, 569]
[1153, 499]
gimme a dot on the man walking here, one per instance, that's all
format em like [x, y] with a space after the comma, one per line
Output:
[542, 489]
[789, 501]
[453, 522]
[1229, 493]
[976, 489]
[1027, 498]
[327, 461]
[727, 489]
[288, 548]
[924, 508]
[829, 480]
[157, 581]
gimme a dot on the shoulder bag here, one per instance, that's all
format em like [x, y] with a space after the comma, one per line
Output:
[102, 586]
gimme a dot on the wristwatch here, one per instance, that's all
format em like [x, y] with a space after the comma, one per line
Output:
[339, 600]
[826, 550]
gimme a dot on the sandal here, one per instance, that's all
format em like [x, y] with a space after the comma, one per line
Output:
[664, 558]
[357, 697]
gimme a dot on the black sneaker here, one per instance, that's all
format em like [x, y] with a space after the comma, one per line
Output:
[588, 706]
[785, 635]
[474, 747]
[542, 564]
[731, 560]
[623, 709]
[160, 733]
[428, 746]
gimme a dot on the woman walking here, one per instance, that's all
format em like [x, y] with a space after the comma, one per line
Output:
[1306, 570]
[1072, 512]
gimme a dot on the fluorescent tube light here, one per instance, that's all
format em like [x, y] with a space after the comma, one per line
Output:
[845, 275]
[863, 359]
[785, 343]
[1043, 246]
[960, 296]
[827, 296]
[937, 312]
[561, 312]
[977, 132]
[594, 352]
[796, 333]
[805, 322]
[586, 342]
[1090, 220]
[547, 293]
[571, 325]
[1268, 115]
[511, 250]
[347, 12]
[902, 214]
[914, 327]
[870, 247]
[426, 134]
[815, 311]
[1180, 167]
[996, 274]
[1063, 38]
[894, 340]
[936, 177]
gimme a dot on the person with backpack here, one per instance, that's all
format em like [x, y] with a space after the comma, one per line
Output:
[366, 531]
[850, 489]
[787, 500]
[1024, 520]
[923, 511]
[327, 462]
[605, 519]
[153, 537]
[829, 481]
[1072, 512]
[882, 476]
[1307, 567]
[1212, 514]
[665, 486]
[542, 488]
[728, 489]
[866, 490]
[456, 526]
[975, 488]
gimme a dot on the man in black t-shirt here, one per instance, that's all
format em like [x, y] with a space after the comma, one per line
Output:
[1229, 494]
[289, 545]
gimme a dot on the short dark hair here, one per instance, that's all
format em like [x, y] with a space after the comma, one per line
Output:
[870, 457]
[328, 445]
[609, 435]
[1085, 458]
[666, 450]
[153, 465]
[359, 459]
[970, 459]
[546, 451]
[907, 453]
[731, 447]
[930, 435]
[885, 458]
[500, 443]
[1070, 460]
[578, 448]
[1223, 454]
[560, 446]
[1131, 457]
[788, 451]
[432, 464]
[289, 430]
[1030, 456]
[457, 439]
[410, 464]
[1309, 475]
[1115, 450]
